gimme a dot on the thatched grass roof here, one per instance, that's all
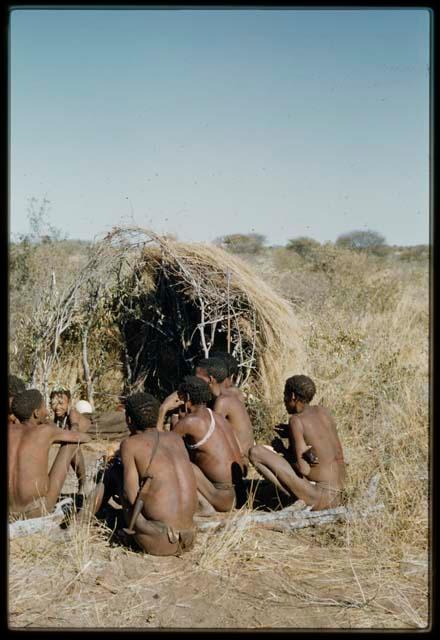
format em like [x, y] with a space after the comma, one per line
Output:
[175, 302]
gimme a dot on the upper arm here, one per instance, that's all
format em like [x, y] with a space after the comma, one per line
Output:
[180, 427]
[131, 476]
[297, 442]
[65, 435]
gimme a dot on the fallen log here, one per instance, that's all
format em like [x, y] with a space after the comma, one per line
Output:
[20, 528]
[296, 516]
[288, 520]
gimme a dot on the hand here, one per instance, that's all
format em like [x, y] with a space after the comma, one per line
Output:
[310, 457]
[279, 446]
[171, 402]
[78, 422]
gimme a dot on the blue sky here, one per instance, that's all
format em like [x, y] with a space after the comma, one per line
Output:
[209, 122]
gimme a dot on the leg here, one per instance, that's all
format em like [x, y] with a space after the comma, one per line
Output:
[220, 499]
[109, 485]
[79, 466]
[58, 473]
[153, 539]
[204, 507]
[278, 471]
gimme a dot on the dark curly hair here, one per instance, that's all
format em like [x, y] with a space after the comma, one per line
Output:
[302, 386]
[15, 385]
[60, 390]
[231, 362]
[195, 389]
[143, 409]
[215, 367]
[25, 403]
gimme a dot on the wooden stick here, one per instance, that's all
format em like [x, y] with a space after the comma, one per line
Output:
[286, 520]
[136, 511]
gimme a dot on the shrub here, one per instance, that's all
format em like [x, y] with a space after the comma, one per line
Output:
[361, 240]
[242, 242]
[303, 246]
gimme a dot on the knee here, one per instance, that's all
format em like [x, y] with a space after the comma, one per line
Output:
[255, 453]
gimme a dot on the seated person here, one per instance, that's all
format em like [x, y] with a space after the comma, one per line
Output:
[230, 382]
[15, 386]
[313, 469]
[32, 491]
[214, 372]
[60, 403]
[153, 479]
[212, 445]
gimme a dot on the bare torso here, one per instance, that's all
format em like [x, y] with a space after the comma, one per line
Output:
[228, 405]
[28, 460]
[319, 431]
[218, 457]
[171, 495]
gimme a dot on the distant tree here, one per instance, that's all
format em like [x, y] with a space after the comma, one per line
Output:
[362, 241]
[303, 245]
[242, 242]
[40, 228]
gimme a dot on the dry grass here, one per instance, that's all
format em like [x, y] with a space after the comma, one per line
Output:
[365, 337]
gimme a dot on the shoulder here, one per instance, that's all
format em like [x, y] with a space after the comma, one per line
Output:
[319, 412]
[189, 421]
[226, 401]
[130, 444]
[296, 424]
[172, 439]
[47, 427]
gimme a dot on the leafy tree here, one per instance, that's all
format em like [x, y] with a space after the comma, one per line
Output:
[303, 245]
[242, 242]
[367, 240]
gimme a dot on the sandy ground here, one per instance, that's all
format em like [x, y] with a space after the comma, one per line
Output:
[243, 578]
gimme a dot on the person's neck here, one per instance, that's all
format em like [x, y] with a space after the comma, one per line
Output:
[196, 407]
[31, 422]
[215, 388]
[300, 407]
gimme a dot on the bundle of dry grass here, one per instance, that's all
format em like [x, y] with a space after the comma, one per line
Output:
[144, 309]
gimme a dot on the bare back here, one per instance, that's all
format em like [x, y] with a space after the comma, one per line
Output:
[28, 461]
[171, 496]
[233, 391]
[318, 430]
[217, 457]
[229, 406]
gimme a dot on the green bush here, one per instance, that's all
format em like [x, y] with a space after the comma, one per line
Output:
[242, 242]
[360, 240]
[303, 246]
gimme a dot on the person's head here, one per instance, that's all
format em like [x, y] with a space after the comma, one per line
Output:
[194, 391]
[231, 363]
[212, 371]
[15, 386]
[29, 405]
[59, 400]
[141, 411]
[298, 389]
